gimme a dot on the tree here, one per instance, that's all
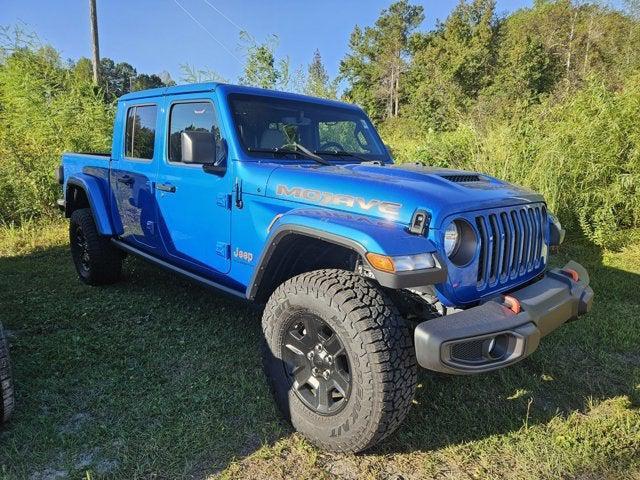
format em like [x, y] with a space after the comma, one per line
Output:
[47, 108]
[317, 83]
[144, 81]
[192, 74]
[377, 59]
[359, 71]
[261, 69]
[392, 36]
[453, 64]
[116, 79]
[166, 78]
[83, 69]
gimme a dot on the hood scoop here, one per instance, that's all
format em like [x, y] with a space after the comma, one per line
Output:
[462, 178]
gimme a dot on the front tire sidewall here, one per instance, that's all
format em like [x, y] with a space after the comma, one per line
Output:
[326, 428]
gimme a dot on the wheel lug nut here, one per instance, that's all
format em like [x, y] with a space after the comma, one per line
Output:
[318, 347]
[310, 355]
[328, 359]
[326, 374]
[315, 371]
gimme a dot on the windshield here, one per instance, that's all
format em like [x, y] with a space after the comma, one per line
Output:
[275, 125]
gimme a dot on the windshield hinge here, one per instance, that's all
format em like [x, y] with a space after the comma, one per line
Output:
[238, 191]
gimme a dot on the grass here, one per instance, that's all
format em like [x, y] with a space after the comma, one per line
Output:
[157, 378]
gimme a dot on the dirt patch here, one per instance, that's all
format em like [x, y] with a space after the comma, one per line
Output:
[75, 423]
[49, 474]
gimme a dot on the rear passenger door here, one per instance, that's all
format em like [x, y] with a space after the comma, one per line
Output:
[194, 207]
[133, 172]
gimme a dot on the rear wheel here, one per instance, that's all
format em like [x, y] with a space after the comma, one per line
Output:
[6, 382]
[339, 358]
[96, 260]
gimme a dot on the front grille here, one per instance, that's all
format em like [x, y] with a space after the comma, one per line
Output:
[462, 178]
[511, 244]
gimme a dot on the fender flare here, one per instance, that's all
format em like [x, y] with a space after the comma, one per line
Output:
[92, 189]
[384, 237]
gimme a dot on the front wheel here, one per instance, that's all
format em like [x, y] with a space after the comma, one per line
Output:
[339, 358]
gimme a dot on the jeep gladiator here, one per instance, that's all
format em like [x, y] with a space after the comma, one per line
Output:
[365, 268]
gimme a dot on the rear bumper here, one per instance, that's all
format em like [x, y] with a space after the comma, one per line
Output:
[491, 336]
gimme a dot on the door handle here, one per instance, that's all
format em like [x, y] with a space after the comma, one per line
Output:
[166, 187]
[126, 179]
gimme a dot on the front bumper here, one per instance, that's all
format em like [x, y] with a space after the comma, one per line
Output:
[492, 336]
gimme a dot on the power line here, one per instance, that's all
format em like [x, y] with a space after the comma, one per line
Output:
[208, 32]
[225, 17]
[230, 21]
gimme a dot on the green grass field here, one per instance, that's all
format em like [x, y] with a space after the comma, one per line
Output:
[158, 378]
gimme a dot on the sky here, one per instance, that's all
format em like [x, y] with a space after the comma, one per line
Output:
[158, 35]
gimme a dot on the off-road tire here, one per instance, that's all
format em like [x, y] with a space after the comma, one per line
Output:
[96, 260]
[379, 345]
[6, 382]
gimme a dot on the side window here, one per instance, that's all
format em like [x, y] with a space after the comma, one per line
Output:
[140, 134]
[192, 116]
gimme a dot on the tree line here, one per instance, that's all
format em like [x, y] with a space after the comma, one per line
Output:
[547, 96]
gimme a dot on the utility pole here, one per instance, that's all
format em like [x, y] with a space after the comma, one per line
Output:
[94, 37]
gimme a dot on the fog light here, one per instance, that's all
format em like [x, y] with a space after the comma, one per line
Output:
[495, 348]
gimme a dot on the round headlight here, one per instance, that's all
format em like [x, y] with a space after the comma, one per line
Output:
[451, 239]
[460, 242]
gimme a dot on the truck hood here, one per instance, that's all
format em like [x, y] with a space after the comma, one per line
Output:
[394, 192]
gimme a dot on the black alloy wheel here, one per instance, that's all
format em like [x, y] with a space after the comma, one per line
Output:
[80, 248]
[316, 364]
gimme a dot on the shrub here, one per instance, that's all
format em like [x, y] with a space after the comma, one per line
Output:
[582, 154]
[45, 109]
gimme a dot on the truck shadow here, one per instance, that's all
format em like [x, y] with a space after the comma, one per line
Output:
[181, 367]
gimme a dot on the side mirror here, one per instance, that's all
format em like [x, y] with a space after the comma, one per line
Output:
[198, 147]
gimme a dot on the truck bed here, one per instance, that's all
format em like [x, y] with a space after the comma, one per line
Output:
[74, 162]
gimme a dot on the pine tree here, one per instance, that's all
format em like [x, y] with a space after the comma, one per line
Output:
[318, 83]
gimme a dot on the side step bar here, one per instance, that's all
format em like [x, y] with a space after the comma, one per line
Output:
[180, 271]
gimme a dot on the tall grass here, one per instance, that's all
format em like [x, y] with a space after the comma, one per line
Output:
[45, 109]
[582, 154]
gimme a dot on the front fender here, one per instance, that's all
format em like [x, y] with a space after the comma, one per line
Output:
[369, 234]
[360, 233]
[97, 197]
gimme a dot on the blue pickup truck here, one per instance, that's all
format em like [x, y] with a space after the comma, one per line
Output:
[365, 268]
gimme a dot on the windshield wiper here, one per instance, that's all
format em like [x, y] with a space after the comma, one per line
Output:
[341, 153]
[297, 150]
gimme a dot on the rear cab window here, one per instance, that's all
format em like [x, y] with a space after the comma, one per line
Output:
[140, 133]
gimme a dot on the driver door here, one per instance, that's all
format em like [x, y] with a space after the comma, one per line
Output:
[194, 208]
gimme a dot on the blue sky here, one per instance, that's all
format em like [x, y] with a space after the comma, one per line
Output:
[156, 35]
